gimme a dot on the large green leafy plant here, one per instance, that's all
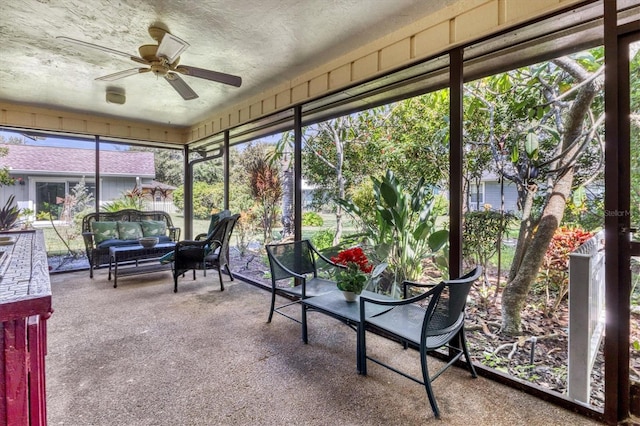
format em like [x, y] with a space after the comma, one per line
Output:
[130, 199]
[9, 214]
[403, 229]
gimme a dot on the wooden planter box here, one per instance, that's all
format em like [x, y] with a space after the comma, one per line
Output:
[25, 305]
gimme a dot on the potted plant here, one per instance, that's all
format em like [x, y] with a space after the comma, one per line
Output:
[357, 272]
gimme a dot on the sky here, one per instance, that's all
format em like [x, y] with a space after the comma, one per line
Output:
[62, 142]
[89, 143]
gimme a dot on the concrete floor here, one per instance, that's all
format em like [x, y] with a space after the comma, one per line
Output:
[142, 355]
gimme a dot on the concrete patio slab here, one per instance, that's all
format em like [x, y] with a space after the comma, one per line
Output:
[142, 355]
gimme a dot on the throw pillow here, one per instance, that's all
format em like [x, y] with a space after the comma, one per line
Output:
[104, 231]
[129, 230]
[153, 228]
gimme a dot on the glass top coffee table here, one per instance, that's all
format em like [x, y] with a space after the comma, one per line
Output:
[136, 260]
[334, 305]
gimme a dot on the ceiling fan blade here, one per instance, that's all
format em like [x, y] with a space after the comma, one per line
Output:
[171, 47]
[104, 49]
[180, 86]
[220, 77]
[122, 74]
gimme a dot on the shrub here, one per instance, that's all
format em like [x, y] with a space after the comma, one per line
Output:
[206, 198]
[363, 198]
[322, 239]
[482, 231]
[585, 209]
[244, 229]
[312, 219]
[555, 265]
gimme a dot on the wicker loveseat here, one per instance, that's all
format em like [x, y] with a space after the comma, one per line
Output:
[108, 229]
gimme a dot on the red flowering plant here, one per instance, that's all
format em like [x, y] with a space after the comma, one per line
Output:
[555, 265]
[355, 275]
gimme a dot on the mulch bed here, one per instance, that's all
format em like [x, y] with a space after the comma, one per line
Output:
[539, 355]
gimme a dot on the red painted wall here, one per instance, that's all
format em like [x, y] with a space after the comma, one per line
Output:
[23, 345]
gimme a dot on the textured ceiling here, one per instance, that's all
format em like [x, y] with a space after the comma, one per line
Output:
[266, 42]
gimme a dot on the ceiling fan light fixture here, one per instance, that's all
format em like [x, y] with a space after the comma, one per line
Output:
[171, 47]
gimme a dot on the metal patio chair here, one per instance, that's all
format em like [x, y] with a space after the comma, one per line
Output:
[210, 252]
[298, 263]
[220, 258]
[428, 321]
[215, 218]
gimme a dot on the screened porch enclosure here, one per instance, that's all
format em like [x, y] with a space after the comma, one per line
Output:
[485, 124]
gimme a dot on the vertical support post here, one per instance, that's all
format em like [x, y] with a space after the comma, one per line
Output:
[616, 218]
[188, 195]
[97, 172]
[455, 161]
[225, 170]
[297, 172]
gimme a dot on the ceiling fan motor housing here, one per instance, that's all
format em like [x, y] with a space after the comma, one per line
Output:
[159, 69]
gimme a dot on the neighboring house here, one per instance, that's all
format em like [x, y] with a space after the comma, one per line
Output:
[479, 197]
[44, 175]
[307, 193]
[488, 193]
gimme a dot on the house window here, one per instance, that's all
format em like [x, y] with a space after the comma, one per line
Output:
[48, 196]
[476, 196]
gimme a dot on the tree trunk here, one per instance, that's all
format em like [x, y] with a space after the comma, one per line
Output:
[533, 248]
[287, 202]
[339, 144]
[517, 289]
[526, 230]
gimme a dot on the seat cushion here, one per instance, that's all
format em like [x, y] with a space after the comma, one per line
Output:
[153, 228]
[116, 243]
[103, 231]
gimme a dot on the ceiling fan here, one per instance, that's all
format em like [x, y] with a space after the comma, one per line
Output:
[162, 60]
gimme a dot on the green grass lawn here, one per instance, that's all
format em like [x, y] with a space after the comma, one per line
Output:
[70, 235]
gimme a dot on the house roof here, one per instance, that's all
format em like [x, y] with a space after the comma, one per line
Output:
[46, 160]
[154, 185]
